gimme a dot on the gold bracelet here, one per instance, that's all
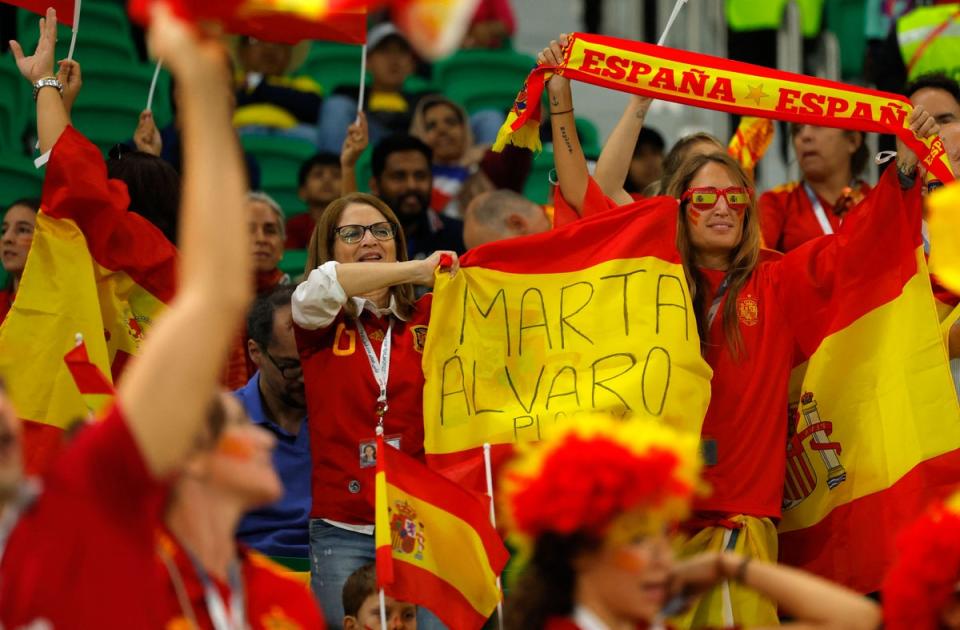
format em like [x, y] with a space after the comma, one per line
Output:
[566, 111]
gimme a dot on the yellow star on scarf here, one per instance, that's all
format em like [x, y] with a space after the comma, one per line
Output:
[756, 93]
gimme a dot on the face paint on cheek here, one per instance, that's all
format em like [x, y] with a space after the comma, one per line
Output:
[693, 215]
[628, 560]
[235, 447]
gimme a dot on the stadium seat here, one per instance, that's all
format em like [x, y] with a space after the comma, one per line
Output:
[538, 185]
[104, 35]
[127, 85]
[280, 159]
[13, 96]
[364, 170]
[105, 119]
[483, 79]
[293, 262]
[332, 65]
[589, 138]
[18, 178]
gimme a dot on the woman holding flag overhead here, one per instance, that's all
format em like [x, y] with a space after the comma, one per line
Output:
[591, 508]
[754, 312]
[360, 334]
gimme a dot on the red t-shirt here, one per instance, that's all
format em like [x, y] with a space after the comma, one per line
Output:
[341, 404]
[299, 231]
[82, 554]
[6, 301]
[787, 218]
[273, 598]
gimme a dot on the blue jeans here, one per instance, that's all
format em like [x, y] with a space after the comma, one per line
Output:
[335, 553]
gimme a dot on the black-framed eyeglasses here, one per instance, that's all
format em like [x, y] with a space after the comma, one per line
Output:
[289, 369]
[382, 231]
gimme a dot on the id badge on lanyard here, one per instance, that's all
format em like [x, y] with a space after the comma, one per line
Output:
[380, 366]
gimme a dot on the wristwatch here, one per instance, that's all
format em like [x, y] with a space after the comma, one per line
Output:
[46, 82]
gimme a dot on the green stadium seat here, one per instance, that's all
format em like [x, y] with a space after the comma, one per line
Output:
[127, 85]
[14, 97]
[332, 65]
[537, 188]
[28, 34]
[415, 84]
[104, 35]
[364, 170]
[483, 79]
[104, 119]
[280, 159]
[18, 178]
[293, 263]
[589, 138]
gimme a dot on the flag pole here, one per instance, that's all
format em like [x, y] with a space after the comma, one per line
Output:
[383, 609]
[493, 521]
[76, 28]
[363, 78]
[673, 16]
[153, 85]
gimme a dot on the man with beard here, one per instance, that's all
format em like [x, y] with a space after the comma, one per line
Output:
[274, 399]
[402, 178]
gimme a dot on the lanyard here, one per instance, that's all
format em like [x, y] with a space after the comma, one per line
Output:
[235, 618]
[818, 209]
[715, 305]
[379, 366]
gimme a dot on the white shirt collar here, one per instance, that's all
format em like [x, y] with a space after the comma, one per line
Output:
[363, 304]
[587, 620]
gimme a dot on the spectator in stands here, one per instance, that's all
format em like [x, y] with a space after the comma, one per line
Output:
[102, 500]
[318, 183]
[646, 165]
[831, 161]
[16, 235]
[266, 239]
[388, 106]
[403, 180]
[270, 100]
[502, 214]
[938, 94]
[274, 399]
[358, 296]
[153, 186]
[492, 25]
[361, 604]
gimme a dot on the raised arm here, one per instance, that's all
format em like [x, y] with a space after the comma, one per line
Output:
[168, 389]
[568, 158]
[353, 146]
[813, 602]
[52, 116]
[617, 153]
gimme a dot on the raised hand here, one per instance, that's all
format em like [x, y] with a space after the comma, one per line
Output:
[147, 136]
[40, 63]
[71, 79]
[355, 143]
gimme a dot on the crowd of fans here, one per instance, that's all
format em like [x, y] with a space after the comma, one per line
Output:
[177, 472]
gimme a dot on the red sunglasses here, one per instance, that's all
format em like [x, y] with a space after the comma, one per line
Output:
[706, 197]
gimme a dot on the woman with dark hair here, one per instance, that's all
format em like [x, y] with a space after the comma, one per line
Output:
[590, 509]
[831, 161]
[756, 311]
[16, 235]
[153, 186]
[360, 334]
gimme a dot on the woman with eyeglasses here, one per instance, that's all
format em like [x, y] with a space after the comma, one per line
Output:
[360, 334]
[757, 313]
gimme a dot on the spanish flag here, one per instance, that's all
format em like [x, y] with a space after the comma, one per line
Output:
[435, 544]
[875, 424]
[284, 21]
[534, 331]
[64, 8]
[95, 269]
[750, 141]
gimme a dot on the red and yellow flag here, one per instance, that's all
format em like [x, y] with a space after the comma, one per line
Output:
[435, 544]
[875, 425]
[750, 141]
[595, 315]
[719, 84]
[95, 269]
[64, 8]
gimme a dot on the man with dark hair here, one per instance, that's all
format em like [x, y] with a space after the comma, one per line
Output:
[361, 604]
[403, 179]
[938, 94]
[318, 183]
[274, 399]
[646, 166]
[501, 214]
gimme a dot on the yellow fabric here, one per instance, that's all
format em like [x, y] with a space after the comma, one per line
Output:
[447, 538]
[885, 385]
[943, 221]
[756, 539]
[537, 365]
[263, 114]
[387, 102]
[526, 137]
[750, 141]
[57, 299]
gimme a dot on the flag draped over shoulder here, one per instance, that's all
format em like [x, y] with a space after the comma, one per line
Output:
[720, 84]
[536, 330]
[94, 268]
[945, 236]
[875, 425]
[64, 8]
[435, 545]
